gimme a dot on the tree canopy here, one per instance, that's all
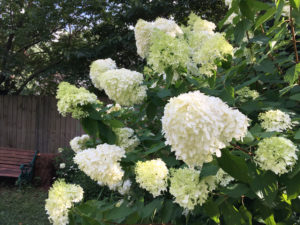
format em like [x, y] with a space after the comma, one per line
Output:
[46, 41]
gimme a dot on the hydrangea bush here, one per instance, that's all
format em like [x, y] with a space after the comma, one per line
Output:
[207, 134]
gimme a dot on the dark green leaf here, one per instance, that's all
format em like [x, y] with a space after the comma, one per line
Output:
[297, 134]
[268, 15]
[265, 186]
[236, 190]
[231, 214]
[155, 148]
[212, 210]
[208, 169]
[106, 133]
[234, 166]
[152, 207]
[166, 212]
[151, 110]
[246, 9]
[292, 74]
[90, 126]
[293, 186]
[246, 214]
[295, 97]
[240, 30]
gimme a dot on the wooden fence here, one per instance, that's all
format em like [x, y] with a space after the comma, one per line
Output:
[33, 122]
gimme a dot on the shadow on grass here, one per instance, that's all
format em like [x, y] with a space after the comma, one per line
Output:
[25, 206]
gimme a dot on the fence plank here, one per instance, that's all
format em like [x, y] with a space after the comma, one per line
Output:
[33, 122]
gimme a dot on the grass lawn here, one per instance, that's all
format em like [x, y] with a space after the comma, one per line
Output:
[22, 207]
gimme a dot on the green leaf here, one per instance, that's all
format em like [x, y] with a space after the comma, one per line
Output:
[295, 3]
[151, 110]
[292, 74]
[297, 134]
[170, 73]
[265, 186]
[246, 9]
[166, 212]
[212, 210]
[270, 220]
[240, 30]
[236, 190]
[293, 186]
[115, 123]
[164, 93]
[155, 148]
[119, 214]
[268, 15]
[246, 214]
[234, 166]
[295, 97]
[151, 208]
[106, 133]
[230, 11]
[248, 139]
[209, 169]
[90, 126]
[231, 214]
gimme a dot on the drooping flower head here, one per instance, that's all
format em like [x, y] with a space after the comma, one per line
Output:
[143, 33]
[78, 143]
[187, 188]
[124, 86]
[126, 138]
[275, 120]
[98, 67]
[152, 175]
[102, 164]
[71, 99]
[61, 198]
[198, 126]
[277, 154]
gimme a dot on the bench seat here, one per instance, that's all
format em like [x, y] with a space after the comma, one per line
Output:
[17, 163]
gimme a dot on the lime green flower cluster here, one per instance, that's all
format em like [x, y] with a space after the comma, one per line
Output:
[275, 120]
[277, 154]
[71, 99]
[143, 31]
[126, 138]
[152, 175]
[246, 94]
[196, 45]
[188, 189]
[61, 198]
[167, 51]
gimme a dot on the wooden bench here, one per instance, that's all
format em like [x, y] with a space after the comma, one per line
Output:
[17, 163]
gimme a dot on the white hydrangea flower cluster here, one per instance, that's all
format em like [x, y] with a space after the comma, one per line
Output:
[98, 67]
[124, 86]
[152, 175]
[198, 126]
[246, 93]
[77, 143]
[143, 31]
[61, 198]
[70, 99]
[125, 187]
[275, 120]
[121, 85]
[277, 154]
[223, 178]
[102, 164]
[126, 138]
[188, 189]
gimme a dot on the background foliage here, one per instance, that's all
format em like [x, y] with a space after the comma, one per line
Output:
[46, 41]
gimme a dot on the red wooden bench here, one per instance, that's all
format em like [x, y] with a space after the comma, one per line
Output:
[17, 163]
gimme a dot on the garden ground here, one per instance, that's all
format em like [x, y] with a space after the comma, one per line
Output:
[25, 206]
